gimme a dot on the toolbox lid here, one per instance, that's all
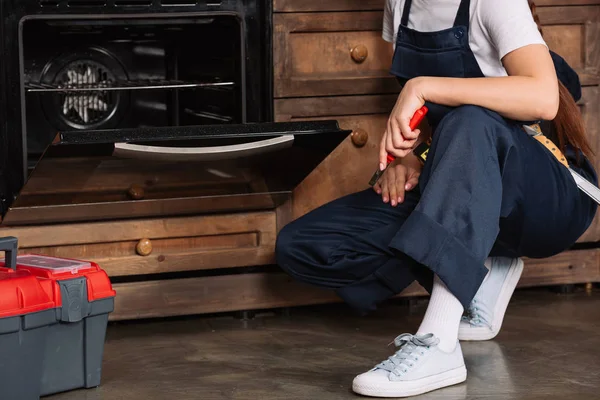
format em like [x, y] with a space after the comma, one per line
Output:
[21, 294]
[60, 269]
[52, 264]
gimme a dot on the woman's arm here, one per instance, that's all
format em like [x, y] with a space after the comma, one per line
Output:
[530, 92]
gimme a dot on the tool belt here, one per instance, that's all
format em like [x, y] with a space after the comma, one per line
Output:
[536, 132]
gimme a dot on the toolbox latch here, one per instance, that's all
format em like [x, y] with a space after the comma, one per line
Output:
[75, 305]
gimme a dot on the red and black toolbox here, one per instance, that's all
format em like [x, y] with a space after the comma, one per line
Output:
[26, 313]
[66, 309]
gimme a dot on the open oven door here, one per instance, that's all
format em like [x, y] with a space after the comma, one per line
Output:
[156, 172]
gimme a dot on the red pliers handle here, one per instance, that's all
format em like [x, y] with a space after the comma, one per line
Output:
[413, 124]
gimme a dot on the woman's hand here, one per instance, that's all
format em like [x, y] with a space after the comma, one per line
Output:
[401, 176]
[398, 138]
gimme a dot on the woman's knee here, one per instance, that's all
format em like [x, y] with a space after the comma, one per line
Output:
[470, 114]
[303, 257]
[297, 252]
[284, 246]
[467, 118]
[469, 125]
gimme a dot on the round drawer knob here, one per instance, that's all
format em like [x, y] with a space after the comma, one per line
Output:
[359, 53]
[359, 137]
[144, 247]
[136, 192]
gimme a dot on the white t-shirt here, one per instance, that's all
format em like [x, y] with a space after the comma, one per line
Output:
[497, 26]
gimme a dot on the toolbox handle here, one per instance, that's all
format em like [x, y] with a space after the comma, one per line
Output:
[9, 245]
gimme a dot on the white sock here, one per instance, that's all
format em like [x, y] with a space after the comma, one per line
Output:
[442, 317]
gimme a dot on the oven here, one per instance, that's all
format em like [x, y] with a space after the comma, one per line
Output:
[141, 108]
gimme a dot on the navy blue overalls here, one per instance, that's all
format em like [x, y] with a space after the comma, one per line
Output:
[487, 189]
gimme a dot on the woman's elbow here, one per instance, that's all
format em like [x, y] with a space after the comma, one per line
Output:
[548, 104]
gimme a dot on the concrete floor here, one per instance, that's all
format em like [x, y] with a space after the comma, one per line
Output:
[549, 348]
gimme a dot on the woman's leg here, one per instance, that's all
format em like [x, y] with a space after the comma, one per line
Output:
[485, 184]
[343, 245]
[483, 319]
[552, 215]
[358, 243]
[442, 317]
[476, 184]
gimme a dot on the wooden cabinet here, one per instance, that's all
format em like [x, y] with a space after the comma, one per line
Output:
[330, 62]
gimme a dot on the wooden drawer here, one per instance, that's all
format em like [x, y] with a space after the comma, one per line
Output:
[172, 245]
[331, 5]
[318, 54]
[574, 33]
[349, 168]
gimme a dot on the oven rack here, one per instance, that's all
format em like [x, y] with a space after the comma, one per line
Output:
[106, 86]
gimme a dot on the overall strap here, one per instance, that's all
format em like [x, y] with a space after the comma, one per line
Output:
[463, 16]
[405, 13]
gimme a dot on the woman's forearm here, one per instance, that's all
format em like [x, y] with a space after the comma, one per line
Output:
[516, 97]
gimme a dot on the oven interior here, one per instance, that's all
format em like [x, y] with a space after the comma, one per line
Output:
[97, 74]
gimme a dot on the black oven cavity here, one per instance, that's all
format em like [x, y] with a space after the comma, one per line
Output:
[79, 65]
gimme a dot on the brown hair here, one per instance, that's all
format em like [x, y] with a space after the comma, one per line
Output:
[568, 122]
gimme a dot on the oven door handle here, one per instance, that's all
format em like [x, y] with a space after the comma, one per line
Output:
[211, 153]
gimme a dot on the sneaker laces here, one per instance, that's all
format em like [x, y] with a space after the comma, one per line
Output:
[477, 314]
[410, 348]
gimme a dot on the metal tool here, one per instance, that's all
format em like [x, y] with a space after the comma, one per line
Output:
[583, 184]
[413, 124]
[586, 186]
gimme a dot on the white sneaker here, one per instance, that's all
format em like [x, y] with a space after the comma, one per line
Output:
[483, 319]
[419, 366]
